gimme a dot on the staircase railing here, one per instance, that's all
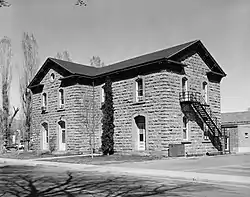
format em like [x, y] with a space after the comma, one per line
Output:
[196, 97]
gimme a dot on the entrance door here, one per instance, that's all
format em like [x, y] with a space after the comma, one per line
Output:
[45, 136]
[141, 132]
[61, 136]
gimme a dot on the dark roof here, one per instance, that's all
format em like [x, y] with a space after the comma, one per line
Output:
[166, 54]
[93, 71]
[235, 117]
[75, 68]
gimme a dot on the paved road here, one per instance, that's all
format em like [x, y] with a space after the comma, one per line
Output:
[238, 165]
[38, 181]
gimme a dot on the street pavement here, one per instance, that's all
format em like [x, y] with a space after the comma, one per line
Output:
[227, 169]
[231, 165]
[44, 180]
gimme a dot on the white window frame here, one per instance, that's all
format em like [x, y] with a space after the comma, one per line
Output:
[184, 88]
[61, 97]
[45, 135]
[205, 130]
[102, 95]
[185, 128]
[138, 90]
[204, 87]
[184, 84]
[227, 143]
[62, 145]
[52, 77]
[44, 101]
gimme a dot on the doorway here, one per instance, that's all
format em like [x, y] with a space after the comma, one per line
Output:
[141, 132]
[61, 136]
[45, 136]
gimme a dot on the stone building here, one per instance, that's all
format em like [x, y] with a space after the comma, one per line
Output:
[236, 128]
[166, 97]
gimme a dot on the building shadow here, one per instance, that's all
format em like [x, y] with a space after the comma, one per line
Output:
[23, 181]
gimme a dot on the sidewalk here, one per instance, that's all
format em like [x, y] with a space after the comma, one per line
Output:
[202, 177]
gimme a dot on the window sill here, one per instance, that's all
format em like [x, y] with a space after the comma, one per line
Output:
[139, 103]
[61, 109]
[186, 142]
[206, 141]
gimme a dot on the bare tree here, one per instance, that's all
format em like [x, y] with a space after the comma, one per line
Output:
[4, 3]
[29, 69]
[91, 116]
[63, 56]
[81, 2]
[6, 76]
[96, 62]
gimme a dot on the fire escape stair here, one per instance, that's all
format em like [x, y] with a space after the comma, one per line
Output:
[202, 109]
[207, 119]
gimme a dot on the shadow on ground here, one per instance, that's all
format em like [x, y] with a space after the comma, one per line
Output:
[23, 181]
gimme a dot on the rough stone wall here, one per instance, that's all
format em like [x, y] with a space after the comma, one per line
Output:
[160, 106]
[76, 139]
[162, 109]
[196, 74]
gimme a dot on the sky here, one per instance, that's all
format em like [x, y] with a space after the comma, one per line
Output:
[117, 30]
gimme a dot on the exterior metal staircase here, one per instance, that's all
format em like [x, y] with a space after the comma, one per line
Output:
[196, 100]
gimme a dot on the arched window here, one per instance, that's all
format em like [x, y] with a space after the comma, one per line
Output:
[61, 98]
[45, 135]
[205, 131]
[184, 86]
[204, 91]
[44, 102]
[62, 135]
[139, 90]
[185, 128]
[140, 122]
[102, 95]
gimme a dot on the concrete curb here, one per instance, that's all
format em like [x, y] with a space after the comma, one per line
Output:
[194, 176]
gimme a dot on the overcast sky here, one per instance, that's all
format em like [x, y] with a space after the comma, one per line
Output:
[119, 29]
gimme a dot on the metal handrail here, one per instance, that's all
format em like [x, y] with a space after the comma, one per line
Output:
[190, 96]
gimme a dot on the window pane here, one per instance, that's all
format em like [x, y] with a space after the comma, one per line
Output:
[62, 124]
[184, 128]
[140, 92]
[47, 136]
[184, 85]
[184, 122]
[63, 136]
[184, 133]
[139, 87]
[102, 95]
[61, 97]
[141, 137]
[44, 98]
